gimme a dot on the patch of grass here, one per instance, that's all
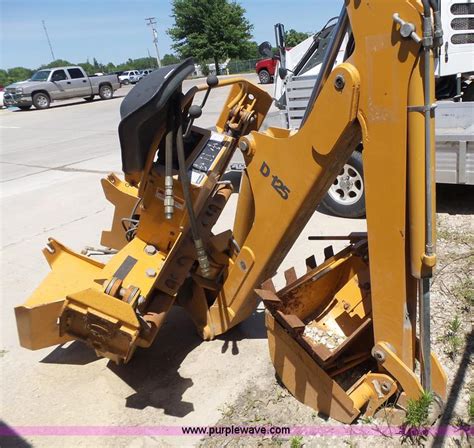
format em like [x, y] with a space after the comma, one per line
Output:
[465, 291]
[453, 337]
[296, 442]
[454, 236]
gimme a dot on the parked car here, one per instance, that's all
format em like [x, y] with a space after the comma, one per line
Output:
[60, 83]
[129, 77]
[2, 91]
[144, 73]
[266, 68]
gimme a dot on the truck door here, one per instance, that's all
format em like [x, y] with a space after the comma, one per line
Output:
[61, 84]
[80, 85]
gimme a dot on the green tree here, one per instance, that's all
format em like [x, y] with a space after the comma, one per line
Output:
[169, 59]
[15, 74]
[293, 37]
[210, 29]
[56, 63]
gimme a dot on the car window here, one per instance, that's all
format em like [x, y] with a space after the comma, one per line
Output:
[59, 75]
[42, 75]
[75, 73]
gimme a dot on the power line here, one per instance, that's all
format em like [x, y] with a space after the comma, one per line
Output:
[151, 21]
[49, 42]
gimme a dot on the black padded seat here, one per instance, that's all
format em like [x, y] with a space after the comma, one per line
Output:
[144, 110]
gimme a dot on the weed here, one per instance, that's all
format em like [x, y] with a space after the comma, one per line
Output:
[296, 442]
[465, 291]
[3, 353]
[366, 420]
[417, 418]
[452, 337]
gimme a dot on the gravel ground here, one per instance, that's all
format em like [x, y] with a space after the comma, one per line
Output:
[266, 402]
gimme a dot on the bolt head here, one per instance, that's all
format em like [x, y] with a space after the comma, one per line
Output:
[243, 146]
[150, 273]
[150, 250]
[339, 82]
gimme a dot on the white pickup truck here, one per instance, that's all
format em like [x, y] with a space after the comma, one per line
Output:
[59, 83]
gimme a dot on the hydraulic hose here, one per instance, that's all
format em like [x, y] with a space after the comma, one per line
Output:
[329, 60]
[202, 258]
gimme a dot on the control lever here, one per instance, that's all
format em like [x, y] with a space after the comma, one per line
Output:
[195, 111]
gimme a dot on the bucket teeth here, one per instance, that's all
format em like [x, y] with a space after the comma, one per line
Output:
[268, 285]
[328, 252]
[290, 276]
[311, 263]
[270, 299]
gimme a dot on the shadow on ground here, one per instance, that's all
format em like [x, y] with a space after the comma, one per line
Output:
[455, 199]
[10, 439]
[154, 372]
[446, 418]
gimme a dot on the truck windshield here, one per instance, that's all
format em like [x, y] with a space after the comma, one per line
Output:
[42, 75]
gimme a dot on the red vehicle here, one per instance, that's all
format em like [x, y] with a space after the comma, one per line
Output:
[265, 69]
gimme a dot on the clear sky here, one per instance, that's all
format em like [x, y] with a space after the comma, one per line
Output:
[115, 30]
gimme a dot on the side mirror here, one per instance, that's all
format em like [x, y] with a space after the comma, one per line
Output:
[282, 73]
[265, 49]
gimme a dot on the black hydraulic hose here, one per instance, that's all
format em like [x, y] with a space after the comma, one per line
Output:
[185, 183]
[329, 59]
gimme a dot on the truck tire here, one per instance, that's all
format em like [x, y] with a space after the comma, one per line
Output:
[264, 77]
[106, 92]
[346, 196]
[24, 107]
[89, 98]
[468, 94]
[41, 100]
[125, 82]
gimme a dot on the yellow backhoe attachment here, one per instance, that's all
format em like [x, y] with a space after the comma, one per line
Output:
[343, 337]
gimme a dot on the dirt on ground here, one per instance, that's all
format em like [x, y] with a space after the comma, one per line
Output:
[267, 402]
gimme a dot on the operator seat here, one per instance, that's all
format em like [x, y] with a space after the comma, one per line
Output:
[144, 110]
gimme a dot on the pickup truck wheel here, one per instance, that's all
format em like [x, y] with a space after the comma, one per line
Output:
[264, 77]
[106, 92]
[346, 196]
[89, 98]
[24, 107]
[41, 100]
[125, 82]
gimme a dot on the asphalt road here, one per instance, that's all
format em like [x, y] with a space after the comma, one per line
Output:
[51, 165]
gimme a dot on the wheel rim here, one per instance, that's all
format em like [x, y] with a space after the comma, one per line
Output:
[106, 92]
[348, 187]
[264, 77]
[42, 101]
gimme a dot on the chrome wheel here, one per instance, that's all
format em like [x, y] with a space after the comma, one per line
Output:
[42, 101]
[348, 187]
[264, 77]
[106, 92]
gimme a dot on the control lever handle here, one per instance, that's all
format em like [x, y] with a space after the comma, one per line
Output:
[195, 111]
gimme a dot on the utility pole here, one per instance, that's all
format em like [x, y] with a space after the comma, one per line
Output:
[151, 21]
[49, 42]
